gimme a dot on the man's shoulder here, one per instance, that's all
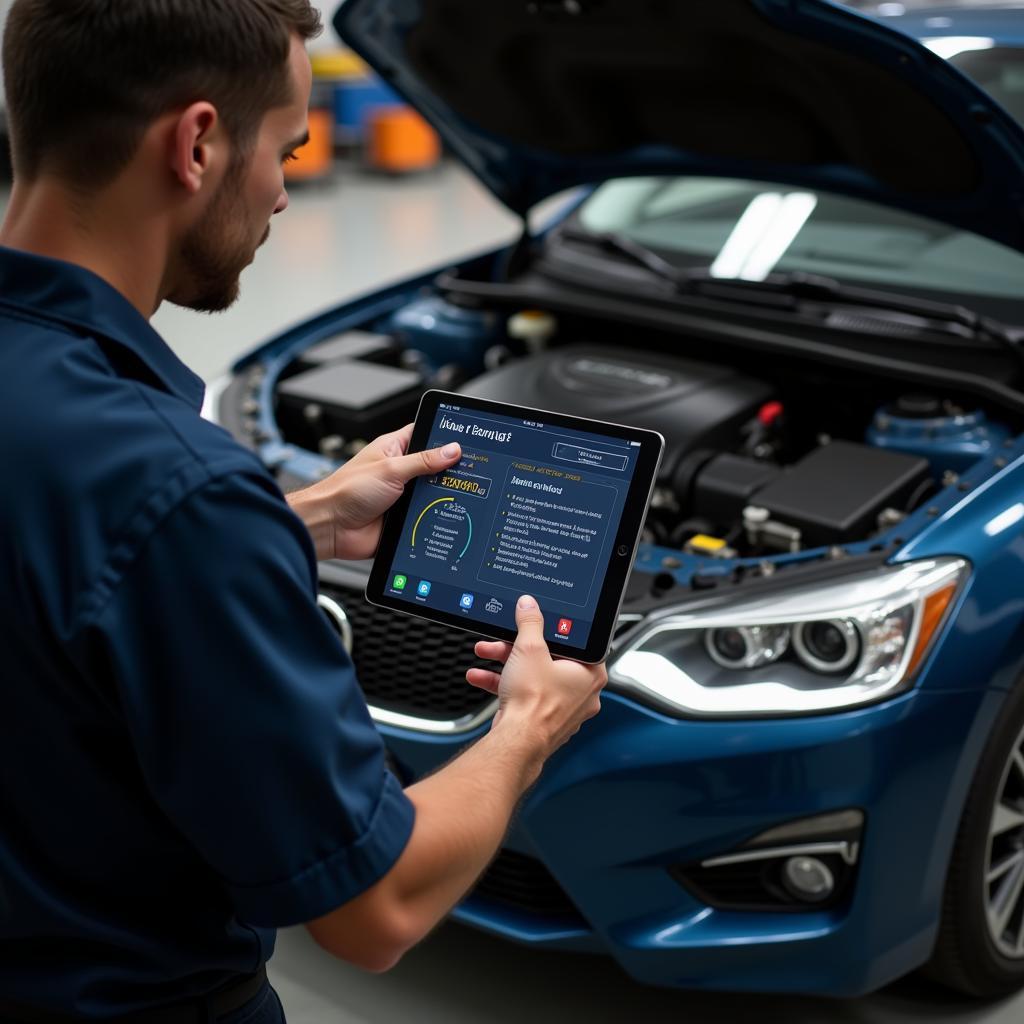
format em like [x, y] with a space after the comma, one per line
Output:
[64, 396]
[98, 458]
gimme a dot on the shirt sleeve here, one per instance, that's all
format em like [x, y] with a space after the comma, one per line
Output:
[243, 707]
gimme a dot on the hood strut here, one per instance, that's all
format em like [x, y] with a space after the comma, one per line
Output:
[520, 254]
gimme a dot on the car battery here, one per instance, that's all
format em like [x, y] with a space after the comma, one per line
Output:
[836, 493]
[728, 483]
[353, 400]
[366, 346]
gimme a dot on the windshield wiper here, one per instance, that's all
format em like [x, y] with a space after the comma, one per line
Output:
[853, 307]
[877, 311]
[635, 251]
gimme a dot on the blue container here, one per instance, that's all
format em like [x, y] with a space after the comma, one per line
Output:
[445, 333]
[953, 442]
[353, 100]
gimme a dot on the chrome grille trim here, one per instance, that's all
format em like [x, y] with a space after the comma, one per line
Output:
[432, 725]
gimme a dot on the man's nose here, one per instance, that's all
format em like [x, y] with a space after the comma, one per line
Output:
[282, 202]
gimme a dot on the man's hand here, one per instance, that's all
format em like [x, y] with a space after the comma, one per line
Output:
[539, 696]
[345, 512]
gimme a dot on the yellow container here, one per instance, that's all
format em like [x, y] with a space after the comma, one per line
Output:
[335, 64]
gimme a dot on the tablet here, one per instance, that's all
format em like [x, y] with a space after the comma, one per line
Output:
[540, 503]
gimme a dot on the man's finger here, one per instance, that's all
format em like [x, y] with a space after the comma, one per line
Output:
[483, 679]
[493, 650]
[404, 436]
[425, 463]
[531, 625]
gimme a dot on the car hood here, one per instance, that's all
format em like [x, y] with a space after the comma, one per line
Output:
[536, 96]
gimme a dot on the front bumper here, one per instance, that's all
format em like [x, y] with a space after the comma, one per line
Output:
[637, 792]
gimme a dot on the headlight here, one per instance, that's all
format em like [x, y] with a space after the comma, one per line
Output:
[812, 648]
[746, 646]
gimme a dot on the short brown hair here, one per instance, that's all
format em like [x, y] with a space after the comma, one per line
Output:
[85, 78]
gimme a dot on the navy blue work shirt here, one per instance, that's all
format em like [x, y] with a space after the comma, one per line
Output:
[186, 761]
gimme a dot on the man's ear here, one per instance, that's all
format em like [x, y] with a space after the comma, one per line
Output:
[196, 145]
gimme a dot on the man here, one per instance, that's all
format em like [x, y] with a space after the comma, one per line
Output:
[185, 760]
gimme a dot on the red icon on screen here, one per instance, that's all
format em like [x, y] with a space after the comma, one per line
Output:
[564, 627]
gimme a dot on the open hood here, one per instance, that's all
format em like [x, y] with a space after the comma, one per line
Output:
[536, 96]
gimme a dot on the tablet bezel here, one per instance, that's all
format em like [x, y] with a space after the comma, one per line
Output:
[624, 548]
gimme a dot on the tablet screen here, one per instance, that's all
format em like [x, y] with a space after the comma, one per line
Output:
[533, 507]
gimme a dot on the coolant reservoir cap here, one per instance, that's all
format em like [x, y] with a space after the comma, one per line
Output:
[533, 326]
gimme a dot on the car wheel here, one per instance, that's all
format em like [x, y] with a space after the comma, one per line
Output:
[980, 948]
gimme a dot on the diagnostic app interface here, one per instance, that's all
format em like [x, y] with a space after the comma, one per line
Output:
[531, 508]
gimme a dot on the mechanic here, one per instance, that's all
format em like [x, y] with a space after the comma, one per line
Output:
[187, 760]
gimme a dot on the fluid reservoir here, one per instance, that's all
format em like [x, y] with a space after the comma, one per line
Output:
[534, 328]
[948, 436]
[446, 333]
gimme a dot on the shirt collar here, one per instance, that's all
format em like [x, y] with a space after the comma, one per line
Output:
[67, 294]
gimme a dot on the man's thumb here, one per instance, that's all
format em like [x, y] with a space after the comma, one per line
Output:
[426, 462]
[529, 620]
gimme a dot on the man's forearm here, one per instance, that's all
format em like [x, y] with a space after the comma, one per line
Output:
[462, 814]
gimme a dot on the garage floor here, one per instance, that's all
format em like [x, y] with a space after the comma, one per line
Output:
[459, 976]
[335, 242]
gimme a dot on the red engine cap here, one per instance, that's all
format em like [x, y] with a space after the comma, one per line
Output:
[769, 413]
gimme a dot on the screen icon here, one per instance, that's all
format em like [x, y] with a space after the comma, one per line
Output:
[466, 601]
[424, 588]
[399, 582]
[564, 627]
[493, 606]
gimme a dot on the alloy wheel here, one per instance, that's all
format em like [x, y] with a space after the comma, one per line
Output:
[1004, 860]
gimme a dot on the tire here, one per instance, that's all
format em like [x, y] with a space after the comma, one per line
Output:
[973, 954]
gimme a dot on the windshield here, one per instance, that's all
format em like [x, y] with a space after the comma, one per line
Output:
[748, 229]
[999, 70]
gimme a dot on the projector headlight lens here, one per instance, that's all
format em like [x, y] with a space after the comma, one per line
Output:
[829, 646]
[746, 646]
[813, 648]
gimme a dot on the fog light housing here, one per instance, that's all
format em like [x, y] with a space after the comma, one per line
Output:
[802, 866]
[808, 879]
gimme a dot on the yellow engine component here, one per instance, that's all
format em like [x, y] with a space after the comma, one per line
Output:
[708, 547]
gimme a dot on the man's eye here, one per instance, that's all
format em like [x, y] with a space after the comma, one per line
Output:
[288, 158]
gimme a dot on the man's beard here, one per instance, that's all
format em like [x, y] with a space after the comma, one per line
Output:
[212, 254]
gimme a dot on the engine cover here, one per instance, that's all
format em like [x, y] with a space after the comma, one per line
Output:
[694, 405]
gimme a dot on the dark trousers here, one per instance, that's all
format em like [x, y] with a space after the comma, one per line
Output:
[263, 1008]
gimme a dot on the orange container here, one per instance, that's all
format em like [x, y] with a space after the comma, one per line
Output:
[314, 160]
[398, 141]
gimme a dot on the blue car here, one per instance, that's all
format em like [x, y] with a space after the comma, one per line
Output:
[792, 241]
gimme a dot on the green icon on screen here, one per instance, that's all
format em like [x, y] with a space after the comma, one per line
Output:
[399, 582]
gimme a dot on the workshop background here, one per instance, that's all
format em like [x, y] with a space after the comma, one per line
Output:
[367, 210]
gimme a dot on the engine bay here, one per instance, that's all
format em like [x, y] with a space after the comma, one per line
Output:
[765, 459]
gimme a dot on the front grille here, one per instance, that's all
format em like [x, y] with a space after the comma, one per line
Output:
[408, 665]
[516, 880]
